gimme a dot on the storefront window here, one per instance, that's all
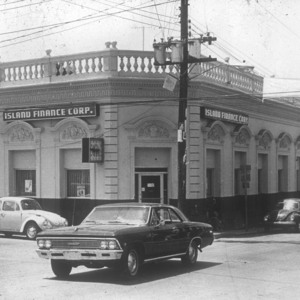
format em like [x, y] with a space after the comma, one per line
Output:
[282, 173]
[240, 160]
[209, 182]
[298, 173]
[78, 183]
[25, 183]
[262, 174]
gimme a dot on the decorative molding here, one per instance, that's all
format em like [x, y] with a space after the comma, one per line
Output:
[214, 132]
[73, 132]
[153, 129]
[284, 142]
[241, 136]
[297, 143]
[72, 129]
[88, 90]
[20, 134]
[264, 139]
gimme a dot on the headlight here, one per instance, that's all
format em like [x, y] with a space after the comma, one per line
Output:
[48, 244]
[103, 245]
[266, 218]
[42, 244]
[47, 224]
[109, 245]
[292, 217]
[112, 245]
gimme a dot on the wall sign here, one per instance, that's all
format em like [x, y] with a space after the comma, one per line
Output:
[92, 150]
[51, 112]
[223, 115]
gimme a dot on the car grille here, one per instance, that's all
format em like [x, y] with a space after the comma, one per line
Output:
[75, 244]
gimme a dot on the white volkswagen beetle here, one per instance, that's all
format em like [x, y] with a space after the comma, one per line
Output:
[25, 215]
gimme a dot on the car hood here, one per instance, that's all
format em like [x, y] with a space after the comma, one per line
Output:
[91, 230]
[283, 213]
[52, 217]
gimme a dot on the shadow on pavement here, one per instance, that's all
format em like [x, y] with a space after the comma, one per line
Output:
[16, 237]
[149, 272]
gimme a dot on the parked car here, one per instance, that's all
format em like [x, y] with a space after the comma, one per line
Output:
[124, 236]
[25, 216]
[287, 216]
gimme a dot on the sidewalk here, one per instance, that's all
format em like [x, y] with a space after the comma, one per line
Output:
[238, 232]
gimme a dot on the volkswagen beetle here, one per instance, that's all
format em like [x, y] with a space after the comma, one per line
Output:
[286, 217]
[25, 215]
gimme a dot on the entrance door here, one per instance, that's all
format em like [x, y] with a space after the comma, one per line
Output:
[151, 187]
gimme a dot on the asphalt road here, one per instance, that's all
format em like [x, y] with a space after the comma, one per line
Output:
[236, 268]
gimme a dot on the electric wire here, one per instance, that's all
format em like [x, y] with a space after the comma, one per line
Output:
[83, 19]
[31, 4]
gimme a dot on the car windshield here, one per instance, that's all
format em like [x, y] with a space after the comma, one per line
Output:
[290, 205]
[119, 215]
[28, 204]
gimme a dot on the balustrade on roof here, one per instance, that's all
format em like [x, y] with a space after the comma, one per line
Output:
[112, 62]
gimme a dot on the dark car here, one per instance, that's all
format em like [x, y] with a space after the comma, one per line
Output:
[124, 236]
[287, 216]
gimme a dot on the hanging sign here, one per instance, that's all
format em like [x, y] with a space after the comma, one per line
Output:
[170, 83]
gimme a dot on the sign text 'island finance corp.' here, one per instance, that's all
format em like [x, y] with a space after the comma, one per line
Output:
[51, 112]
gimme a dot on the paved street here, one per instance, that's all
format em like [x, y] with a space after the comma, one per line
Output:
[236, 268]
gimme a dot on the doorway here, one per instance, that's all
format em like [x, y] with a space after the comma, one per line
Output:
[151, 186]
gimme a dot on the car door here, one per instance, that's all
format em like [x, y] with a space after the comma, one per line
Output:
[166, 236]
[11, 217]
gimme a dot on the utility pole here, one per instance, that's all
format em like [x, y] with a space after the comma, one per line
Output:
[182, 110]
[180, 56]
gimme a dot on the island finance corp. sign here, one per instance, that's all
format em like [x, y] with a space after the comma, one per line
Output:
[51, 112]
[223, 115]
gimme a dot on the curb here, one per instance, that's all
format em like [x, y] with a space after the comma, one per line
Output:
[237, 233]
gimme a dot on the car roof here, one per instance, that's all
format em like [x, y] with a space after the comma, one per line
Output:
[17, 199]
[292, 199]
[135, 204]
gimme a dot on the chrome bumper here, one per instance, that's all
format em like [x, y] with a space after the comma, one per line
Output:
[65, 254]
[283, 223]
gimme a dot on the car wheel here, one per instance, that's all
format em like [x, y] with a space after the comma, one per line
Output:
[31, 230]
[131, 262]
[191, 256]
[61, 268]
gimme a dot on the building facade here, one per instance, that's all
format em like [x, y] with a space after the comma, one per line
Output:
[242, 150]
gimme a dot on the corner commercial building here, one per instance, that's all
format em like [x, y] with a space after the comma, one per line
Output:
[115, 100]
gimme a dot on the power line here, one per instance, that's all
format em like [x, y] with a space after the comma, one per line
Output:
[82, 19]
[22, 6]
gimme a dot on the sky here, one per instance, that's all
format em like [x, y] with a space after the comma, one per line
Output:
[260, 33]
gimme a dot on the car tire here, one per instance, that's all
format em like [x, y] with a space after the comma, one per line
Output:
[191, 256]
[31, 230]
[131, 262]
[61, 268]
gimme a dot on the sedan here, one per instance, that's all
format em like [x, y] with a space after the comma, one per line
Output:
[125, 236]
[25, 216]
